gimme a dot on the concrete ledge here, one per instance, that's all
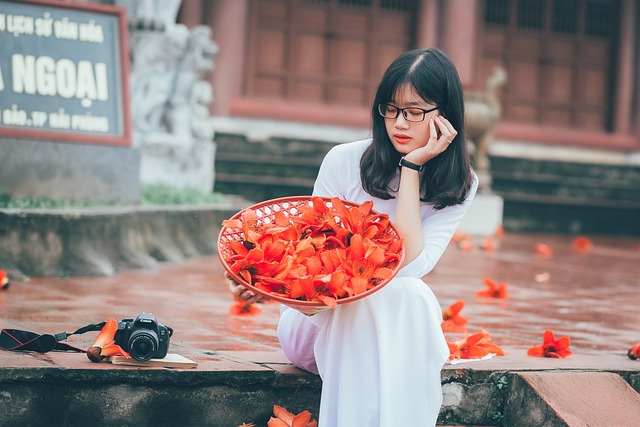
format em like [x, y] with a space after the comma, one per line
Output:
[231, 387]
[103, 241]
[549, 399]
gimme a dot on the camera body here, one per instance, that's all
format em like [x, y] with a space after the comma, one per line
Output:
[144, 338]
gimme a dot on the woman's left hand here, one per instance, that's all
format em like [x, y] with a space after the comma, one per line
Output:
[441, 134]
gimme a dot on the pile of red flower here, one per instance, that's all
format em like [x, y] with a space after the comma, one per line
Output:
[311, 249]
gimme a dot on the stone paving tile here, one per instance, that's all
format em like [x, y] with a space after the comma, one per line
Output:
[592, 298]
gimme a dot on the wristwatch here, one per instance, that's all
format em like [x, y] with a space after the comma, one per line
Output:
[408, 164]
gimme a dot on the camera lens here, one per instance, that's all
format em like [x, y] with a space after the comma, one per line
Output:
[143, 344]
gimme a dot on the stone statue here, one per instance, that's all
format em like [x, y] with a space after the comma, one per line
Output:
[170, 95]
[482, 111]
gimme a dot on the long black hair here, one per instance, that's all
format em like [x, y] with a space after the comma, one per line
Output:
[447, 178]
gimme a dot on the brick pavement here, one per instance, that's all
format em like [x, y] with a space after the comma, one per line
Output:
[593, 298]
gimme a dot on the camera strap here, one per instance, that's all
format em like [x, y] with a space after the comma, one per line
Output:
[17, 340]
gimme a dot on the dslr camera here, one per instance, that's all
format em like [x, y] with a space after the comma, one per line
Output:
[143, 337]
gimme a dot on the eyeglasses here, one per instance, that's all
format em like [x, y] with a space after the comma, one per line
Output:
[410, 114]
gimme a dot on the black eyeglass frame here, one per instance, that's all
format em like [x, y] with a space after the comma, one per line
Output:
[382, 110]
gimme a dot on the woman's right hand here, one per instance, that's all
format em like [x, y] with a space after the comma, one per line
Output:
[240, 291]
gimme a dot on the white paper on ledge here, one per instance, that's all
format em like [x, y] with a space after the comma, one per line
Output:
[458, 361]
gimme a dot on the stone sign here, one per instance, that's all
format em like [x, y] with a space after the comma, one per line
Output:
[64, 72]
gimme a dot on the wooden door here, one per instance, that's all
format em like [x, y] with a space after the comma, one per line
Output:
[559, 56]
[327, 51]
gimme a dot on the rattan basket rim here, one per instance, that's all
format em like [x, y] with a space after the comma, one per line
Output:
[297, 200]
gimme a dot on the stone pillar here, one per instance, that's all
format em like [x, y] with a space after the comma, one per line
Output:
[624, 81]
[458, 32]
[227, 18]
[171, 96]
[428, 23]
[191, 13]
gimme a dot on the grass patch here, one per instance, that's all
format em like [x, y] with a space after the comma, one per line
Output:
[160, 194]
[150, 195]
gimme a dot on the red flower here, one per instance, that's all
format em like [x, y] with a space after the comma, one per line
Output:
[466, 245]
[105, 345]
[452, 321]
[364, 264]
[582, 245]
[284, 418]
[488, 244]
[474, 346]
[543, 249]
[321, 253]
[494, 290]
[634, 352]
[243, 308]
[4, 280]
[551, 347]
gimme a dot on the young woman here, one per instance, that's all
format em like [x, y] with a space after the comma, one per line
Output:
[380, 357]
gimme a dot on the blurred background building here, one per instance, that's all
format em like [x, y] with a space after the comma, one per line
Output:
[573, 65]
[553, 91]
[565, 148]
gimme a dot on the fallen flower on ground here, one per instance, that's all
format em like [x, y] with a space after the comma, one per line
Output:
[4, 280]
[475, 346]
[494, 290]
[488, 244]
[284, 418]
[551, 347]
[460, 235]
[463, 241]
[542, 277]
[543, 249]
[243, 308]
[582, 245]
[105, 345]
[466, 245]
[452, 321]
[634, 352]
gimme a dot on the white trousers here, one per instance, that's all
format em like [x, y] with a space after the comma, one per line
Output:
[379, 358]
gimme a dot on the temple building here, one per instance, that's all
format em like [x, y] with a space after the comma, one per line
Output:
[573, 66]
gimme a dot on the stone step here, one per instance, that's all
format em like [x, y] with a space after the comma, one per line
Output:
[553, 214]
[555, 196]
[257, 189]
[607, 172]
[264, 166]
[571, 399]
[565, 178]
[565, 186]
[267, 165]
[245, 142]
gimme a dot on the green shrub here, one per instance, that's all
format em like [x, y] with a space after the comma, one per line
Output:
[150, 195]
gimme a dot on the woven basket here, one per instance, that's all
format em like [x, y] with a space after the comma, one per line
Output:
[290, 206]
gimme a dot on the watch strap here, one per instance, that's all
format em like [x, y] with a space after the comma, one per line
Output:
[407, 164]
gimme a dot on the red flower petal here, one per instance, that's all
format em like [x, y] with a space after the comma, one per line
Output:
[107, 334]
[551, 347]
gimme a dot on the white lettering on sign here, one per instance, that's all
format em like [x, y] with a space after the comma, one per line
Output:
[18, 24]
[44, 26]
[89, 123]
[15, 116]
[65, 29]
[45, 76]
[91, 32]
[60, 120]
